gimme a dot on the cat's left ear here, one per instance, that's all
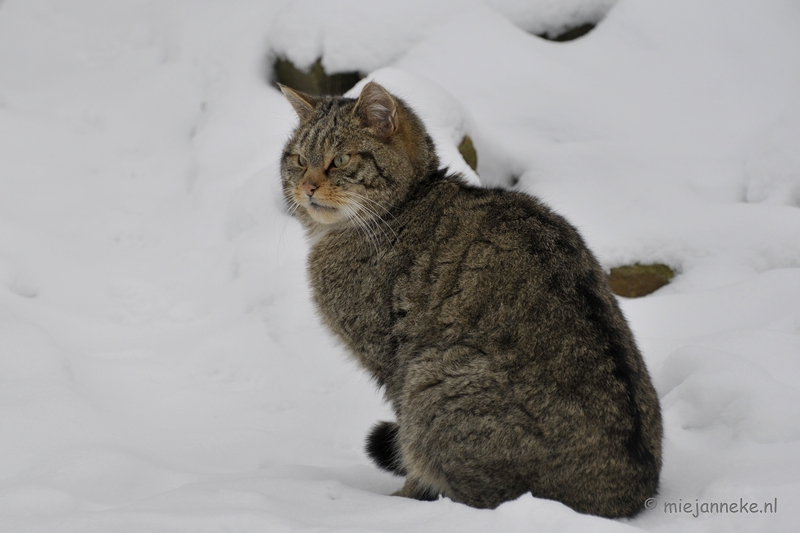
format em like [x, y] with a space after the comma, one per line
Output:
[377, 109]
[302, 103]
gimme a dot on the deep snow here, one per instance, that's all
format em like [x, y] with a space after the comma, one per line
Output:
[161, 366]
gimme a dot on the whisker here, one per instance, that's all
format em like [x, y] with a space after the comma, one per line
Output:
[293, 204]
[353, 215]
[371, 201]
[375, 216]
[373, 223]
[368, 228]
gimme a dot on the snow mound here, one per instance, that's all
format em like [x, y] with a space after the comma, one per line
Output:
[357, 36]
[552, 17]
[714, 391]
[772, 169]
[28, 352]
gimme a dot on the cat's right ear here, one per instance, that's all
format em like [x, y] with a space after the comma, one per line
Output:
[302, 103]
[377, 109]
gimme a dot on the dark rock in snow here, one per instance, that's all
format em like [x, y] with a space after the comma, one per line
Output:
[637, 280]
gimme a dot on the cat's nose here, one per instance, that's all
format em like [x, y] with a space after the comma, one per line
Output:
[309, 188]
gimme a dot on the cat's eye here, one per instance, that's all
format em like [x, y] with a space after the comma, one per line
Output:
[341, 160]
[302, 161]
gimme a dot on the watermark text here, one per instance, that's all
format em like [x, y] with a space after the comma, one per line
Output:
[696, 508]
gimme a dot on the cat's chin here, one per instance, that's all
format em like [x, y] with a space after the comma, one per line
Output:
[324, 215]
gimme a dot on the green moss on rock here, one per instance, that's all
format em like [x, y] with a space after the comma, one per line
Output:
[468, 152]
[633, 281]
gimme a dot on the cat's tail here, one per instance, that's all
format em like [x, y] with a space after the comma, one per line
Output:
[383, 449]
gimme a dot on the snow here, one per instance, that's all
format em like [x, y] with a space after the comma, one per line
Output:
[161, 366]
[353, 35]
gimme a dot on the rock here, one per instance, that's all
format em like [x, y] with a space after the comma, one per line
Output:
[468, 152]
[314, 81]
[571, 34]
[633, 281]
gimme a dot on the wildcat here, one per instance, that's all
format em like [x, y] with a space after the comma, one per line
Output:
[481, 313]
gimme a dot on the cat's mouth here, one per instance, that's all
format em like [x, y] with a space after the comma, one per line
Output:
[313, 204]
[322, 208]
[322, 213]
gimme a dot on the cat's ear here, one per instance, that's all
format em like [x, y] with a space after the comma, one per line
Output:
[377, 109]
[302, 103]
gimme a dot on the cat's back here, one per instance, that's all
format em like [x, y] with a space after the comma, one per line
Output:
[459, 261]
[496, 257]
[509, 292]
[500, 271]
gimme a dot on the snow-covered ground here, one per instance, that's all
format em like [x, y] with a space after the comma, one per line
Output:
[161, 366]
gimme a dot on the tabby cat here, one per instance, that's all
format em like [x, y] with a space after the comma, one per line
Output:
[481, 312]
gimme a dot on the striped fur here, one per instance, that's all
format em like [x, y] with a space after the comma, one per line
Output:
[481, 313]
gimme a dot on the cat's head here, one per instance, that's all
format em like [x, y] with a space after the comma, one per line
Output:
[350, 162]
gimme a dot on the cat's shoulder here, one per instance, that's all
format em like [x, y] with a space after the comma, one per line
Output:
[498, 203]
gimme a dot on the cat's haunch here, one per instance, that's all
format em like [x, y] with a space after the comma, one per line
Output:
[481, 312]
